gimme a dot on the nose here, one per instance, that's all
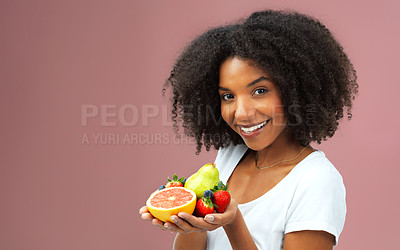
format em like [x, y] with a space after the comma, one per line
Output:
[244, 110]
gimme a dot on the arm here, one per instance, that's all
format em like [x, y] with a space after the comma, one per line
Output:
[308, 240]
[192, 241]
[238, 233]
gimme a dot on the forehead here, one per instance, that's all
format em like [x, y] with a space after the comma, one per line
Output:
[235, 65]
[235, 70]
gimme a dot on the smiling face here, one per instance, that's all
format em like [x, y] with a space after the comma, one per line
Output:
[250, 103]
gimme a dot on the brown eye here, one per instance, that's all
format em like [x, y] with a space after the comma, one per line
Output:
[260, 91]
[227, 97]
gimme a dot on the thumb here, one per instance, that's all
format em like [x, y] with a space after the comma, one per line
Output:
[218, 219]
[212, 219]
[223, 218]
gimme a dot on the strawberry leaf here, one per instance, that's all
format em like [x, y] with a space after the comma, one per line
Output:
[219, 186]
[207, 201]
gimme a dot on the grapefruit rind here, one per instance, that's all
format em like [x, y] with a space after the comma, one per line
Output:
[164, 214]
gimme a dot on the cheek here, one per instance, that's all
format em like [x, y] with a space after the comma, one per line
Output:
[277, 109]
[226, 114]
[280, 117]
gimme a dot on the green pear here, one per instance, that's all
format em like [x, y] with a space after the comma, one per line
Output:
[204, 179]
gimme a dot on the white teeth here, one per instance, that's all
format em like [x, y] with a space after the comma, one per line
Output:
[251, 129]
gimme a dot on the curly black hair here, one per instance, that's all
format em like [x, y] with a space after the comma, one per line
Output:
[316, 79]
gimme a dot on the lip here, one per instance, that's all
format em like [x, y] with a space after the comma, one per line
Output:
[253, 133]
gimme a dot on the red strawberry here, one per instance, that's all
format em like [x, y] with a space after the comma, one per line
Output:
[204, 206]
[221, 198]
[175, 182]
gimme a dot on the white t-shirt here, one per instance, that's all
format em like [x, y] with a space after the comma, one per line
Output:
[311, 197]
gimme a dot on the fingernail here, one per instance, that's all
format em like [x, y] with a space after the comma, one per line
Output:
[173, 218]
[167, 227]
[209, 218]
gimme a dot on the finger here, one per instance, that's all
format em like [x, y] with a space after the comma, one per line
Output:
[143, 210]
[158, 223]
[172, 227]
[147, 216]
[223, 218]
[182, 222]
[195, 222]
[210, 218]
[219, 219]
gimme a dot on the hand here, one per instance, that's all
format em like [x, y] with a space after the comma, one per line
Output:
[186, 223]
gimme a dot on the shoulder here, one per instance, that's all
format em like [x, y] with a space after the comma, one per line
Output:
[317, 169]
[230, 153]
[317, 178]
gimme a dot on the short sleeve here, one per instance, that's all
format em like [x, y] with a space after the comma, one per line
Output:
[227, 159]
[319, 202]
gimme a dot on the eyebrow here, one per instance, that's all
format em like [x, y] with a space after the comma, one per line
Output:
[250, 84]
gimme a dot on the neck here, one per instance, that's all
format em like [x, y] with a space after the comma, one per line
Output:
[284, 147]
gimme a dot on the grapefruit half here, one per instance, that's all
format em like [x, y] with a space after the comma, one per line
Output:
[164, 203]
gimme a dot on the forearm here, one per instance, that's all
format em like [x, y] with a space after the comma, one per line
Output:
[192, 241]
[238, 234]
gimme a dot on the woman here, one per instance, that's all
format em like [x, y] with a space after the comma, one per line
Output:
[260, 91]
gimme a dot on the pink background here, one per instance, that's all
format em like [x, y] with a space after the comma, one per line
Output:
[56, 56]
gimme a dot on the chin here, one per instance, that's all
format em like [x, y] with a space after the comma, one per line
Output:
[256, 146]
